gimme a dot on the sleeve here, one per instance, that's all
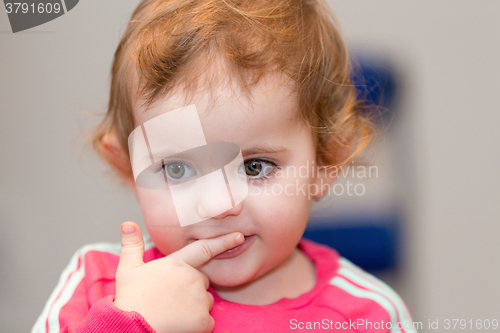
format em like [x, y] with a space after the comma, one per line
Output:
[83, 298]
[105, 317]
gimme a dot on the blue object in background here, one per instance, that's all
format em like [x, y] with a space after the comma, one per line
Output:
[376, 85]
[371, 246]
[372, 242]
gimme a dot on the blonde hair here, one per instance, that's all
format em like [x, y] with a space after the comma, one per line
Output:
[298, 38]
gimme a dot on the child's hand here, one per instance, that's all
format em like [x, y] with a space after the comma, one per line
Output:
[170, 293]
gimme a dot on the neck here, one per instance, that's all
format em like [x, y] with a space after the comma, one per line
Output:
[291, 278]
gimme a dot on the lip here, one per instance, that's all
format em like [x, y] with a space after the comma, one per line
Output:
[235, 251]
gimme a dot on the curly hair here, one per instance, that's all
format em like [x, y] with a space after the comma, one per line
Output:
[300, 39]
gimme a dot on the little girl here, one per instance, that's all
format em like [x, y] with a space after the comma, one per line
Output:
[205, 93]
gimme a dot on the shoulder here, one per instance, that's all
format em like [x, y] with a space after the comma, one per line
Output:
[94, 262]
[88, 277]
[358, 296]
[369, 301]
[100, 259]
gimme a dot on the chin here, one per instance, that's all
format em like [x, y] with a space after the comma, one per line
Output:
[229, 278]
[228, 283]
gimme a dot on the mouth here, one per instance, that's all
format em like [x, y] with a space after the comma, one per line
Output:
[235, 251]
[238, 249]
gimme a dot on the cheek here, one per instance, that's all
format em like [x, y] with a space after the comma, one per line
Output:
[281, 208]
[167, 240]
[161, 220]
[157, 207]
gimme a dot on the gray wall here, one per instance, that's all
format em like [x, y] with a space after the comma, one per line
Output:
[448, 53]
[56, 196]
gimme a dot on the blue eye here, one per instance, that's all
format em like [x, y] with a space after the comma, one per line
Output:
[178, 171]
[258, 168]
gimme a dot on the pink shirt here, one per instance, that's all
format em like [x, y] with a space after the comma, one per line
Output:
[344, 298]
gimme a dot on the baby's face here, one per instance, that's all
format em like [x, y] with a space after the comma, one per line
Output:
[275, 142]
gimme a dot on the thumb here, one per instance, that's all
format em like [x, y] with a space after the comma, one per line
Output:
[132, 252]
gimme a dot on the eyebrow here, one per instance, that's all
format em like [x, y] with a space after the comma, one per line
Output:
[266, 149]
[168, 153]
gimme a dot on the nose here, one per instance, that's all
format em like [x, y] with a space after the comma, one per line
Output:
[216, 208]
[235, 211]
[213, 198]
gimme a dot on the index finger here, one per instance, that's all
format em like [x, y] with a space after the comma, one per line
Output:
[201, 251]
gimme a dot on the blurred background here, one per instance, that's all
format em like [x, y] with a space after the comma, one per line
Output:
[438, 160]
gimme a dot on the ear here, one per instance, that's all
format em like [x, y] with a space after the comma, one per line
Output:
[324, 178]
[118, 158]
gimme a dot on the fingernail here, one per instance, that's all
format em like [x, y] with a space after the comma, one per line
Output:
[239, 238]
[128, 229]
